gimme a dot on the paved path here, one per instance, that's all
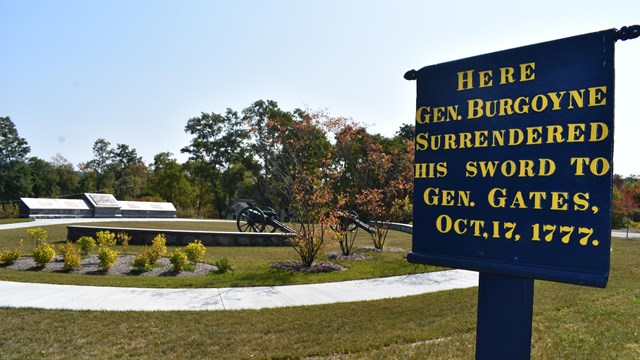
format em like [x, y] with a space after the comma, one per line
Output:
[72, 297]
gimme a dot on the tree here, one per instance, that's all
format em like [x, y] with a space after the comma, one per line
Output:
[219, 141]
[99, 168]
[261, 117]
[168, 180]
[12, 146]
[300, 173]
[44, 180]
[14, 173]
[376, 176]
[66, 176]
[407, 132]
[117, 170]
[626, 199]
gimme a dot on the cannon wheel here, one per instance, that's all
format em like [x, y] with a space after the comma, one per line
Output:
[251, 219]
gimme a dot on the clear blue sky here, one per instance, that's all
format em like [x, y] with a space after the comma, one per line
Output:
[134, 72]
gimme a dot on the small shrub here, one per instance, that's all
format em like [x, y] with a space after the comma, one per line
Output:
[141, 263]
[43, 253]
[106, 258]
[10, 257]
[86, 243]
[106, 238]
[179, 260]
[224, 265]
[195, 251]
[123, 238]
[72, 259]
[38, 235]
[158, 248]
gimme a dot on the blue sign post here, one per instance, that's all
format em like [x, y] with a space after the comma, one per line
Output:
[513, 175]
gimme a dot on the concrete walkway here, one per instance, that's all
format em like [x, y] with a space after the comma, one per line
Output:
[72, 297]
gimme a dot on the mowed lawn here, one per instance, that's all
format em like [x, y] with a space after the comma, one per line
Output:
[570, 322]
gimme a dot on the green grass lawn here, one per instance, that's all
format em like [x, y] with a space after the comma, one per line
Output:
[251, 264]
[13, 221]
[570, 322]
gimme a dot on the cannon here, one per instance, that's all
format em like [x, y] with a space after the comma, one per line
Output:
[265, 219]
[260, 219]
[350, 220]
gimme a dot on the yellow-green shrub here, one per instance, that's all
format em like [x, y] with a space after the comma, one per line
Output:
[179, 260]
[124, 239]
[106, 238]
[9, 257]
[141, 262]
[38, 235]
[106, 258]
[158, 248]
[72, 259]
[195, 251]
[86, 243]
[43, 253]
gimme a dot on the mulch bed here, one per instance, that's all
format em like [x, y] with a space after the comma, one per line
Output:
[122, 267]
[317, 267]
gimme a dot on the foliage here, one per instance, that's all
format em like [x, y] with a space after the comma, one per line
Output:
[158, 248]
[38, 235]
[43, 254]
[71, 256]
[300, 175]
[107, 258]
[9, 210]
[224, 265]
[86, 243]
[169, 181]
[626, 200]
[106, 238]
[14, 179]
[218, 143]
[195, 251]
[141, 262]
[10, 256]
[123, 238]
[178, 259]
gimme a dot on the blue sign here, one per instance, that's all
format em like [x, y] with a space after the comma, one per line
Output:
[513, 161]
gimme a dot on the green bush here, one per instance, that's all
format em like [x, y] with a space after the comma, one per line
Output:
[43, 253]
[158, 248]
[224, 265]
[179, 260]
[10, 257]
[195, 251]
[106, 258]
[141, 263]
[72, 259]
[86, 243]
[106, 238]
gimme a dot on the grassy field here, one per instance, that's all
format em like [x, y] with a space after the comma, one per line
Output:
[251, 264]
[570, 322]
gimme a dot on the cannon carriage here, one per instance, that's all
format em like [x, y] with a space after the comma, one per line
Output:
[265, 219]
